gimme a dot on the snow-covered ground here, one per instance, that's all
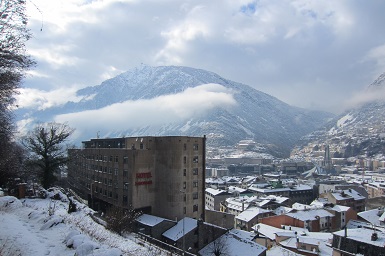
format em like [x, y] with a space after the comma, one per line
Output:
[44, 227]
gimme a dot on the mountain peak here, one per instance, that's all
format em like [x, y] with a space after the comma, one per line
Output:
[378, 83]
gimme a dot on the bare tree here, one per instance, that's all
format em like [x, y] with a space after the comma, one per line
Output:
[121, 220]
[47, 152]
[219, 247]
[13, 63]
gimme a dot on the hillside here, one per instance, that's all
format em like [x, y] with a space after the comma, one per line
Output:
[44, 227]
[358, 132]
[194, 102]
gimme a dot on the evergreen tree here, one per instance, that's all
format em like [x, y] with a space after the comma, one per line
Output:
[47, 152]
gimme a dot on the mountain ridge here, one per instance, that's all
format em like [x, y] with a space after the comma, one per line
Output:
[358, 132]
[256, 115]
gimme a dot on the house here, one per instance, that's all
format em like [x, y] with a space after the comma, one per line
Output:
[233, 243]
[296, 193]
[314, 220]
[153, 226]
[374, 216]
[249, 217]
[359, 241]
[297, 240]
[235, 205]
[182, 235]
[191, 235]
[214, 197]
[342, 215]
[348, 197]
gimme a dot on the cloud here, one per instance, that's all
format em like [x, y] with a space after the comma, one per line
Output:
[38, 99]
[300, 51]
[371, 94]
[158, 111]
[377, 55]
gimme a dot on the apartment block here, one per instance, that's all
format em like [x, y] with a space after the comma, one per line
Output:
[162, 176]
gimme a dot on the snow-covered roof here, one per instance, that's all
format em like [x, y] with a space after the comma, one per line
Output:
[214, 181]
[149, 220]
[311, 238]
[371, 216]
[232, 189]
[250, 213]
[347, 194]
[266, 230]
[238, 203]
[215, 192]
[363, 235]
[340, 208]
[279, 250]
[282, 210]
[299, 206]
[244, 234]
[183, 226]
[310, 214]
[234, 245]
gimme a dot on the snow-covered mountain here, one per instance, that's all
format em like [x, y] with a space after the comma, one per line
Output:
[200, 102]
[359, 131]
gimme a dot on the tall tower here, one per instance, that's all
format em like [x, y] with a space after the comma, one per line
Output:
[327, 163]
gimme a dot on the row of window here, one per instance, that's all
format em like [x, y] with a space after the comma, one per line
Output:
[195, 184]
[195, 208]
[115, 159]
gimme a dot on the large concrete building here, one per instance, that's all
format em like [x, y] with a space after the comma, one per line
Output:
[162, 176]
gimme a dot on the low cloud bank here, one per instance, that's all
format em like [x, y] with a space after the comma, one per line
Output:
[192, 102]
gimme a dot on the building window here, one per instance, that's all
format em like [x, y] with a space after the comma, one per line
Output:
[125, 160]
[111, 158]
[184, 146]
[109, 194]
[125, 173]
[141, 146]
[184, 210]
[195, 171]
[195, 195]
[125, 185]
[125, 200]
[116, 159]
[184, 172]
[184, 159]
[184, 197]
[195, 147]
[195, 184]
[195, 159]
[195, 208]
[184, 185]
[116, 171]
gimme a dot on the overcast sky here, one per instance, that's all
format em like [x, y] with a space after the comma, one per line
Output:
[311, 54]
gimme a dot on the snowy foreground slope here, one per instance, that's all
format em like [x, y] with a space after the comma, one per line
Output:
[27, 228]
